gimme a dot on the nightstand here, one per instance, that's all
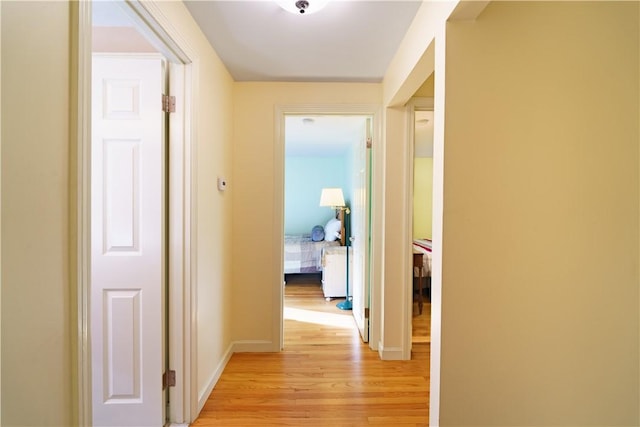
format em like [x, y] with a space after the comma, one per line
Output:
[334, 271]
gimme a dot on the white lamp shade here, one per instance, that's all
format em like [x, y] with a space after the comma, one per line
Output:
[310, 6]
[332, 197]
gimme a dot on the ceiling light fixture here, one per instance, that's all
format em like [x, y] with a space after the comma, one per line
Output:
[302, 7]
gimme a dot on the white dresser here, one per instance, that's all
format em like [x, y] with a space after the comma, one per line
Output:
[334, 271]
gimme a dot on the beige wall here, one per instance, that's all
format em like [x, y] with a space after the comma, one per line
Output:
[541, 218]
[254, 260]
[422, 197]
[539, 326]
[36, 330]
[423, 179]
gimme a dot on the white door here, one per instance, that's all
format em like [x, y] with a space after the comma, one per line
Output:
[359, 234]
[127, 241]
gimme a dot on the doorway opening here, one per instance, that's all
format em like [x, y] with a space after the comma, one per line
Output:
[129, 208]
[420, 120]
[422, 223]
[325, 218]
[351, 174]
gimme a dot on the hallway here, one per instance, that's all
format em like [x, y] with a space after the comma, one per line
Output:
[324, 377]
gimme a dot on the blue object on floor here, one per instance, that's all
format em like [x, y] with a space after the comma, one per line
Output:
[344, 305]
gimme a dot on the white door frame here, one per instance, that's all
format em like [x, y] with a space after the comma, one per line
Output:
[182, 223]
[375, 263]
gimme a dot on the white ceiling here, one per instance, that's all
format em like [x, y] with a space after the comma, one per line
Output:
[322, 136]
[348, 40]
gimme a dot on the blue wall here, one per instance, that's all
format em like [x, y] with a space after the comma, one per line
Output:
[303, 182]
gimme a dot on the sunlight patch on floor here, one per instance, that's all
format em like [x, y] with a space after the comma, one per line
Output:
[318, 317]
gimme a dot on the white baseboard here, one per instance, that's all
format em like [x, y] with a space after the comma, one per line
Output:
[390, 353]
[204, 393]
[235, 347]
[177, 425]
[254, 346]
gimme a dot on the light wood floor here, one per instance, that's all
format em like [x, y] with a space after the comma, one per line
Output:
[421, 325]
[324, 377]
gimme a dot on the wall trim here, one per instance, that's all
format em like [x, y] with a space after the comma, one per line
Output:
[81, 118]
[182, 344]
[244, 346]
[252, 346]
[390, 353]
[437, 226]
[213, 380]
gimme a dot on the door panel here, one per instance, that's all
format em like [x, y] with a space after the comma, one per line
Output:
[127, 241]
[122, 347]
[121, 166]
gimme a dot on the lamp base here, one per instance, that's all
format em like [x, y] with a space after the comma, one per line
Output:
[344, 305]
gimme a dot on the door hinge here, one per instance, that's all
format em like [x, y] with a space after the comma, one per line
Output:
[366, 313]
[169, 379]
[168, 104]
[369, 142]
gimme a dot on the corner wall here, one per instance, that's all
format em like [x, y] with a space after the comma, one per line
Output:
[541, 218]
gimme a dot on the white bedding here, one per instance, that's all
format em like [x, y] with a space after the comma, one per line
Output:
[302, 255]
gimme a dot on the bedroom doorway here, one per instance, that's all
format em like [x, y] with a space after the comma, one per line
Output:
[327, 151]
[422, 190]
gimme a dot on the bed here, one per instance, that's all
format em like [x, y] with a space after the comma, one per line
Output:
[423, 246]
[302, 255]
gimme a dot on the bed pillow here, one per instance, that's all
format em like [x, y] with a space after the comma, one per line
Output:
[317, 233]
[332, 230]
